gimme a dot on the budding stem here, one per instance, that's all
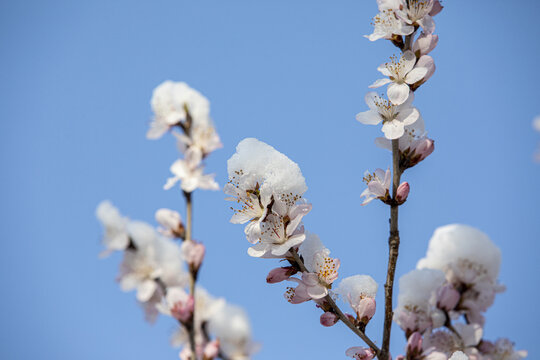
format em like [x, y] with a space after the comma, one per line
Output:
[192, 279]
[393, 239]
[328, 299]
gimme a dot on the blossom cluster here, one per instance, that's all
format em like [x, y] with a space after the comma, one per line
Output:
[157, 268]
[441, 304]
[268, 190]
[163, 271]
[177, 106]
[399, 21]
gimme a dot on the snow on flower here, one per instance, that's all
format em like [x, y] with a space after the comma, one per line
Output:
[378, 185]
[268, 186]
[359, 292]
[471, 264]
[116, 237]
[189, 172]
[172, 102]
[401, 73]
[417, 298]
[394, 117]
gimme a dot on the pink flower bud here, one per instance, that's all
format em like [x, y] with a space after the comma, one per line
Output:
[425, 44]
[194, 254]
[211, 350]
[422, 148]
[171, 222]
[402, 192]
[447, 297]
[279, 274]
[329, 319]
[414, 345]
[183, 310]
[366, 309]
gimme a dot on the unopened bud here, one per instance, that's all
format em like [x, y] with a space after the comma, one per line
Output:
[447, 297]
[414, 345]
[211, 350]
[366, 309]
[194, 254]
[329, 319]
[183, 310]
[402, 192]
[279, 274]
[171, 222]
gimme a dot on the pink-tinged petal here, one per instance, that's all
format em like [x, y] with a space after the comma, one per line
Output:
[415, 75]
[310, 279]
[387, 179]
[370, 117]
[393, 129]
[398, 93]
[408, 116]
[408, 59]
[376, 188]
[380, 173]
[280, 274]
[427, 62]
[427, 24]
[425, 43]
[301, 210]
[146, 290]
[437, 8]
[317, 292]
[380, 82]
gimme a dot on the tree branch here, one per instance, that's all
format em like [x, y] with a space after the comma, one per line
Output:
[336, 308]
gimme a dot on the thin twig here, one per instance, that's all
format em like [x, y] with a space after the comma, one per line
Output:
[192, 279]
[393, 239]
[336, 308]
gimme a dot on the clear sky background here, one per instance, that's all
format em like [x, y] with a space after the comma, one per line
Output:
[75, 83]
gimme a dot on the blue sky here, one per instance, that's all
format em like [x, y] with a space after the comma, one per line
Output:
[76, 79]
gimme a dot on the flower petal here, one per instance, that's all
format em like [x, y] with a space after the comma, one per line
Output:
[380, 82]
[398, 93]
[393, 129]
[415, 75]
[370, 117]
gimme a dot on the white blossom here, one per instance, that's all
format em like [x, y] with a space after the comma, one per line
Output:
[231, 327]
[189, 172]
[171, 101]
[260, 177]
[116, 237]
[317, 259]
[394, 117]
[401, 73]
[417, 12]
[386, 24]
[378, 185]
[458, 355]
[355, 289]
